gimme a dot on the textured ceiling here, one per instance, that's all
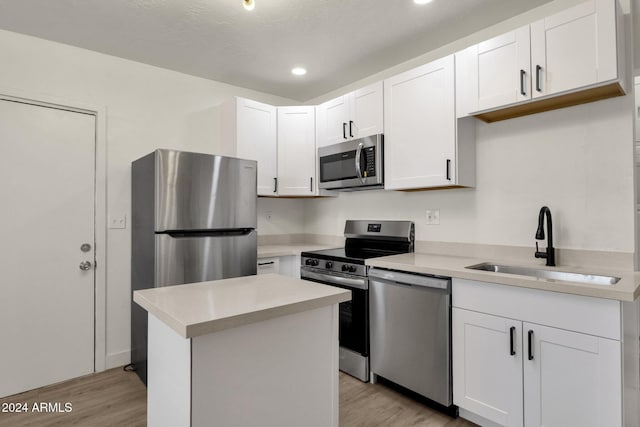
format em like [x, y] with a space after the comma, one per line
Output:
[338, 41]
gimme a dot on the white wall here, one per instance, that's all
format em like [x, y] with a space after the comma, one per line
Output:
[578, 161]
[281, 216]
[147, 108]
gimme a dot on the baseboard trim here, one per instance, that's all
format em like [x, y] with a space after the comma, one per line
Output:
[114, 360]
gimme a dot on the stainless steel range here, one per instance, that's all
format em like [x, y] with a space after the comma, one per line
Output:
[345, 268]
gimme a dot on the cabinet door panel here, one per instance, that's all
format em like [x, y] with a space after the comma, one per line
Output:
[420, 134]
[574, 48]
[296, 151]
[366, 111]
[573, 379]
[466, 81]
[334, 115]
[504, 69]
[487, 378]
[256, 140]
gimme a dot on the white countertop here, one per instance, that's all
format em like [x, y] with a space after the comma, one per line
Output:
[267, 251]
[627, 289]
[206, 307]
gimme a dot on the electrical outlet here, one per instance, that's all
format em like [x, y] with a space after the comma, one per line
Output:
[433, 216]
[118, 222]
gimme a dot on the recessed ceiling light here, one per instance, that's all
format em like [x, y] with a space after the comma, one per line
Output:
[249, 4]
[421, 1]
[298, 71]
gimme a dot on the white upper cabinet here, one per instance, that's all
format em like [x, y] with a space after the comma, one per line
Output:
[354, 115]
[466, 81]
[504, 70]
[296, 151]
[249, 132]
[574, 48]
[572, 57]
[421, 146]
[366, 111]
[332, 121]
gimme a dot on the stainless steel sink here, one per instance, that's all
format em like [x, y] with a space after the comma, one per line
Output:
[591, 279]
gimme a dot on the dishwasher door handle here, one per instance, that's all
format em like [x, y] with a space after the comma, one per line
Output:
[406, 279]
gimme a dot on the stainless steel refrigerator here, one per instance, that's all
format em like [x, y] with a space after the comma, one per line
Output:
[193, 220]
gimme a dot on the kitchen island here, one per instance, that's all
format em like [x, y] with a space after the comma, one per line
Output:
[255, 350]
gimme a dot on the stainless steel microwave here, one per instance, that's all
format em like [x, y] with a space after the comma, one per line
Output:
[352, 165]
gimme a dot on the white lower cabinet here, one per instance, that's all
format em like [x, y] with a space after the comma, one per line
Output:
[290, 266]
[487, 370]
[268, 265]
[571, 379]
[533, 371]
[287, 265]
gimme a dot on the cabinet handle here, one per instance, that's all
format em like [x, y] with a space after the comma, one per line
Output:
[538, 69]
[350, 128]
[260, 264]
[512, 333]
[275, 185]
[448, 169]
[344, 130]
[311, 184]
[530, 343]
[522, 75]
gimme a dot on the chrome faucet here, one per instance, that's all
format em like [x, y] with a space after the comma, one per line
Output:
[550, 253]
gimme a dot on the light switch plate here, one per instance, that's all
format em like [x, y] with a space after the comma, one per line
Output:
[433, 216]
[118, 222]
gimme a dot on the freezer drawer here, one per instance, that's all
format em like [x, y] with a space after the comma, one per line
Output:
[188, 259]
[410, 327]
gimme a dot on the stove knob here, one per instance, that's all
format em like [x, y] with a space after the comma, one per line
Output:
[328, 265]
[307, 262]
[352, 269]
[345, 267]
[314, 262]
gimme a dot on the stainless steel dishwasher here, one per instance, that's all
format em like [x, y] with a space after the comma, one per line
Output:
[410, 321]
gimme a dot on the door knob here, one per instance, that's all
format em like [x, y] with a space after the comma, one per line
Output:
[85, 265]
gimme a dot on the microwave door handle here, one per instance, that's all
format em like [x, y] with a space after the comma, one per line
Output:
[358, 171]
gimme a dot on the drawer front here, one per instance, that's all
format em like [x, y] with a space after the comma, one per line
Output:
[594, 316]
[268, 266]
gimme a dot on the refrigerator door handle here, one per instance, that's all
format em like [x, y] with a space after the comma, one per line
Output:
[208, 233]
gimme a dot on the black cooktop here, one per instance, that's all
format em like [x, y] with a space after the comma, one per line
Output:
[352, 255]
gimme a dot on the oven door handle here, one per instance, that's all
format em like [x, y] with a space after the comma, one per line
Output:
[336, 280]
[358, 171]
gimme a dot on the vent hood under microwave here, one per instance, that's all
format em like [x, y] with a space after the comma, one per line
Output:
[352, 165]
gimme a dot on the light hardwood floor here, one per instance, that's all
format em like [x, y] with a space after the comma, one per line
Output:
[118, 398]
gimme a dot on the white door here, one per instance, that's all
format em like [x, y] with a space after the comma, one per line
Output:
[296, 151]
[420, 127]
[487, 366]
[256, 127]
[366, 117]
[571, 379]
[504, 69]
[47, 192]
[574, 48]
